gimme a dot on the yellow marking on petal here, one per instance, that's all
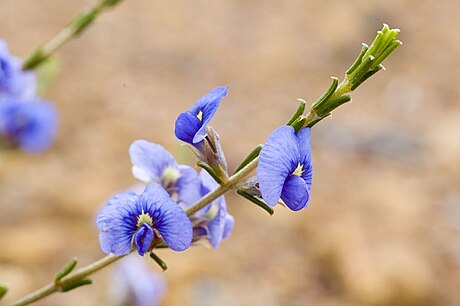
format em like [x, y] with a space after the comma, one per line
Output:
[299, 170]
[200, 116]
[212, 212]
[144, 218]
[169, 176]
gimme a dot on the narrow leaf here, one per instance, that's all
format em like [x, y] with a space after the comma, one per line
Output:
[256, 201]
[251, 156]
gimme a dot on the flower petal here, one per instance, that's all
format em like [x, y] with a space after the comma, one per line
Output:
[278, 159]
[216, 226]
[295, 193]
[304, 143]
[229, 224]
[208, 105]
[187, 125]
[188, 185]
[30, 125]
[143, 239]
[117, 223]
[15, 83]
[168, 218]
[149, 160]
[134, 283]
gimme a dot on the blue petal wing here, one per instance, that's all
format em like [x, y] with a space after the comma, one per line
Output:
[168, 218]
[208, 105]
[187, 125]
[117, 223]
[278, 159]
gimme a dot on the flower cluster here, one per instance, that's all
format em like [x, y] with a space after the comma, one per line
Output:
[156, 217]
[26, 121]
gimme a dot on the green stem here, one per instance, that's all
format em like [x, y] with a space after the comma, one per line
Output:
[73, 29]
[230, 184]
[72, 277]
[109, 259]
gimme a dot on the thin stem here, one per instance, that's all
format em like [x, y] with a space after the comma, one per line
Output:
[232, 181]
[56, 286]
[109, 259]
[73, 29]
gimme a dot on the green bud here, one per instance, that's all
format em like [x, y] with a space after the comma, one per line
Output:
[298, 112]
[371, 57]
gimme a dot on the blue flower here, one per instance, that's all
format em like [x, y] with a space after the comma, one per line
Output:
[285, 168]
[191, 124]
[134, 283]
[29, 125]
[14, 82]
[212, 222]
[152, 163]
[143, 220]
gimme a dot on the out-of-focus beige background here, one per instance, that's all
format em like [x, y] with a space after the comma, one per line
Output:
[384, 218]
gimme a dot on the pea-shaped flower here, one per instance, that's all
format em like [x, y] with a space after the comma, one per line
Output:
[142, 220]
[191, 124]
[285, 168]
[152, 163]
[29, 125]
[14, 82]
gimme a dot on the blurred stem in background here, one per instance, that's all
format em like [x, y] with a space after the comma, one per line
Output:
[73, 29]
[367, 64]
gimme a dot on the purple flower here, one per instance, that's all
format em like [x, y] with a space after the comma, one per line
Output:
[285, 168]
[152, 163]
[134, 283]
[142, 220]
[14, 82]
[213, 222]
[29, 125]
[191, 124]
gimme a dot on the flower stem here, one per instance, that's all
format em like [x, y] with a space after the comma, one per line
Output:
[109, 259]
[230, 184]
[73, 29]
[72, 277]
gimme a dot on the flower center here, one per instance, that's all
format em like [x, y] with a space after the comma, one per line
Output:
[144, 218]
[212, 212]
[169, 176]
[200, 116]
[299, 170]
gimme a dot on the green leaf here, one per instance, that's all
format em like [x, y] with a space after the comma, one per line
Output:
[75, 284]
[298, 112]
[211, 171]
[256, 201]
[65, 270]
[251, 156]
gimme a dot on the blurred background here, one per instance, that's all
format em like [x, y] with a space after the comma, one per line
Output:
[383, 223]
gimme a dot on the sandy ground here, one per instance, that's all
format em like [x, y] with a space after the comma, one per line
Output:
[383, 223]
